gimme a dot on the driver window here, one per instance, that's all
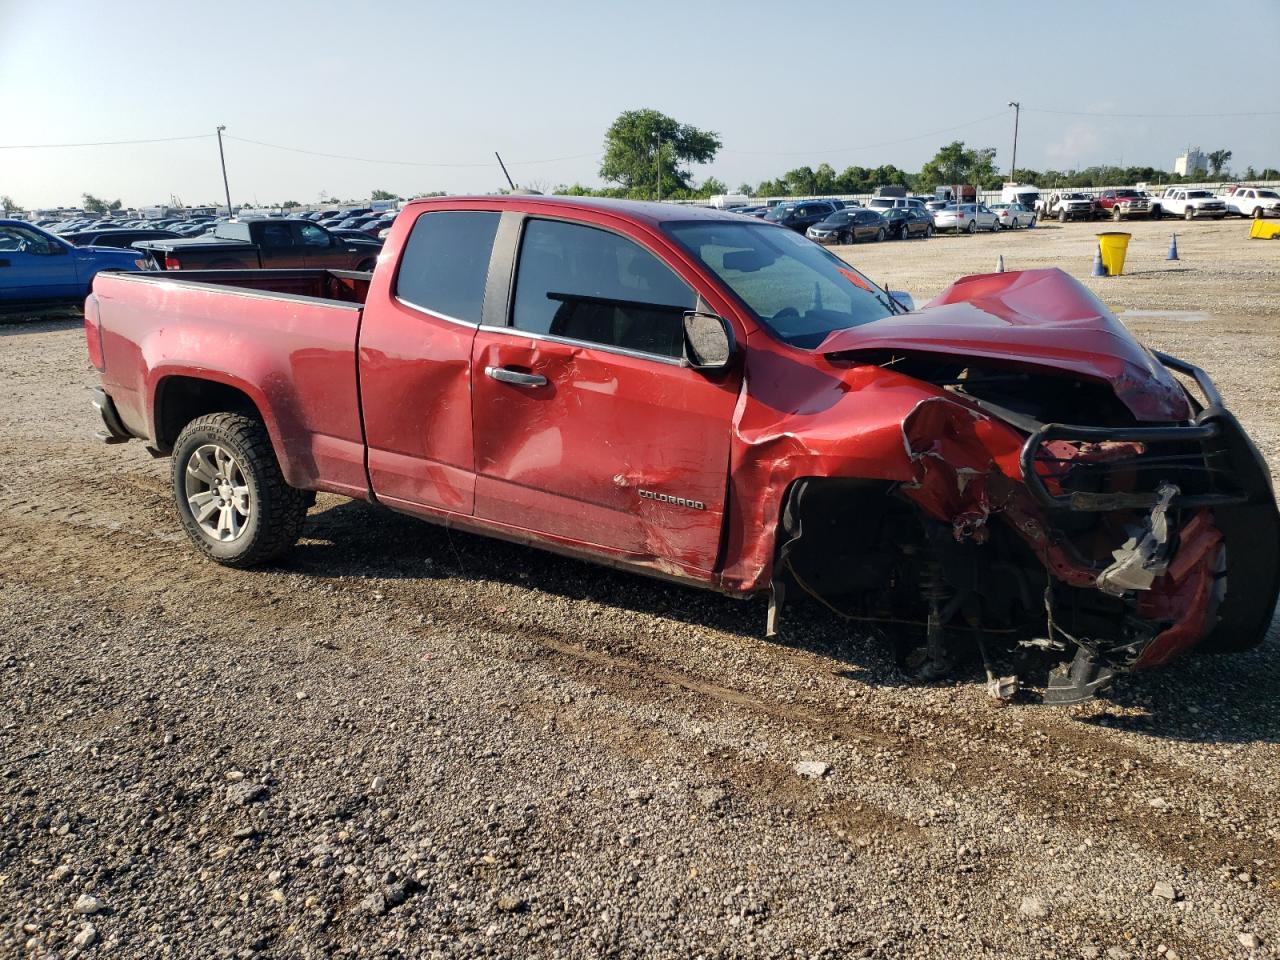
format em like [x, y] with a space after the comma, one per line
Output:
[582, 283]
[18, 240]
[313, 236]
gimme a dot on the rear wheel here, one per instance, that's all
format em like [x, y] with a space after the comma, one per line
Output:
[1189, 213]
[973, 227]
[230, 493]
[929, 230]
[1157, 213]
[1257, 213]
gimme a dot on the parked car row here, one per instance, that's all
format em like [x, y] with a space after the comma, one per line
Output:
[825, 222]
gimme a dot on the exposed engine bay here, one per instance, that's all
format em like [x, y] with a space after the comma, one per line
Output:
[1105, 542]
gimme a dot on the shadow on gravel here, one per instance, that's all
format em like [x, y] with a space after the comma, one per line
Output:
[356, 540]
[1202, 699]
[12, 324]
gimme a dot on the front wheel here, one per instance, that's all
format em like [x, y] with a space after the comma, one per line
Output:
[1157, 213]
[1257, 213]
[880, 235]
[929, 231]
[996, 225]
[1115, 214]
[230, 493]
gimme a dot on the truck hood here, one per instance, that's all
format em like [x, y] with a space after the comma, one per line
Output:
[1033, 318]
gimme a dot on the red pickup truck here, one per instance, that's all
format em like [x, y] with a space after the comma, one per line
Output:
[716, 400]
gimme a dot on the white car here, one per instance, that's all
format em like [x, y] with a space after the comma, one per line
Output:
[1188, 204]
[1256, 202]
[1014, 215]
[969, 217]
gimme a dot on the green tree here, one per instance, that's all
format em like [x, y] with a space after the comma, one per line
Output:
[645, 151]
[712, 187]
[1217, 160]
[746, 189]
[95, 205]
[383, 195]
[290, 204]
[953, 164]
[7, 203]
[801, 182]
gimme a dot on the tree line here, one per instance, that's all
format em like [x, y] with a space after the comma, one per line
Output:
[647, 154]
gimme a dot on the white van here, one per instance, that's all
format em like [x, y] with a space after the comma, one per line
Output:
[1023, 193]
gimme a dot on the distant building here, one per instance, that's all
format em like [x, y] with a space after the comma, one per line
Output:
[1191, 163]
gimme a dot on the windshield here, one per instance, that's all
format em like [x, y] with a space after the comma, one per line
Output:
[1126, 193]
[1269, 194]
[794, 288]
[840, 216]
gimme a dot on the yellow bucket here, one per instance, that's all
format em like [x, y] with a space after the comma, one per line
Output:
[1113, 247]
[1261, 230]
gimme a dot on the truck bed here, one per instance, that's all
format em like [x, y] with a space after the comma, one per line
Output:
[285, 339]
[344, 286]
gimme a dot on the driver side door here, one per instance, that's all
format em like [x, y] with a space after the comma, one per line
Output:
[34, 266]
[591, 430]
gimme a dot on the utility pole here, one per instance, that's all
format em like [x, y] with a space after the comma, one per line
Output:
[223, 157]
[504, 171]
[657, 162]
[1013, 167]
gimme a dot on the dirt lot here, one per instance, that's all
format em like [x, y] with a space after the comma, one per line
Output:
[402, 742]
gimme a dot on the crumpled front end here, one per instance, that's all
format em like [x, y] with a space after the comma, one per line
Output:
[1110, 528]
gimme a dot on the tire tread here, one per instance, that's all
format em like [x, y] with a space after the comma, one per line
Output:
[282, 509]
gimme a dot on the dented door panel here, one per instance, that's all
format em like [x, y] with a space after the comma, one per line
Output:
[621, 451]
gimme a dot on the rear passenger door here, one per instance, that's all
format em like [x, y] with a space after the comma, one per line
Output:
[590, 429]
[280, 246]
[415, 364]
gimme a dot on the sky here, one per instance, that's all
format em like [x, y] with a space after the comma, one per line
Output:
[429, 90]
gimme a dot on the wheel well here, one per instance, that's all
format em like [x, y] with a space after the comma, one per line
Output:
[179, 400]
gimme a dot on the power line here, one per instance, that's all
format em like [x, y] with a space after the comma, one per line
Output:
[99, 143]
[1152, 116]
[865, 146]
[405, 163]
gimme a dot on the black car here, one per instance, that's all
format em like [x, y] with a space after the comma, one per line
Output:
[907, 222]
[800, 215]
[849, 226]
[115, 237]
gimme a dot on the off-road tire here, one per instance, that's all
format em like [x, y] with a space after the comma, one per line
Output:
[277, 510]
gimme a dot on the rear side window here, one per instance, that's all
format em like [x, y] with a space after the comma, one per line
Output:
[445, 263]
[582, 283]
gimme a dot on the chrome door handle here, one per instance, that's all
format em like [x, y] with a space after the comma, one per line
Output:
[515, 377]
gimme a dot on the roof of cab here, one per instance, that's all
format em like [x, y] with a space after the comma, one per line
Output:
[642, 210]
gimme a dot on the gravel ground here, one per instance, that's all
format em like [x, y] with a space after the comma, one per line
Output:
[402, 742]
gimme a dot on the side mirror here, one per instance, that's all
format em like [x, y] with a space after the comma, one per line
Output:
[904, 299]
[708, 341]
